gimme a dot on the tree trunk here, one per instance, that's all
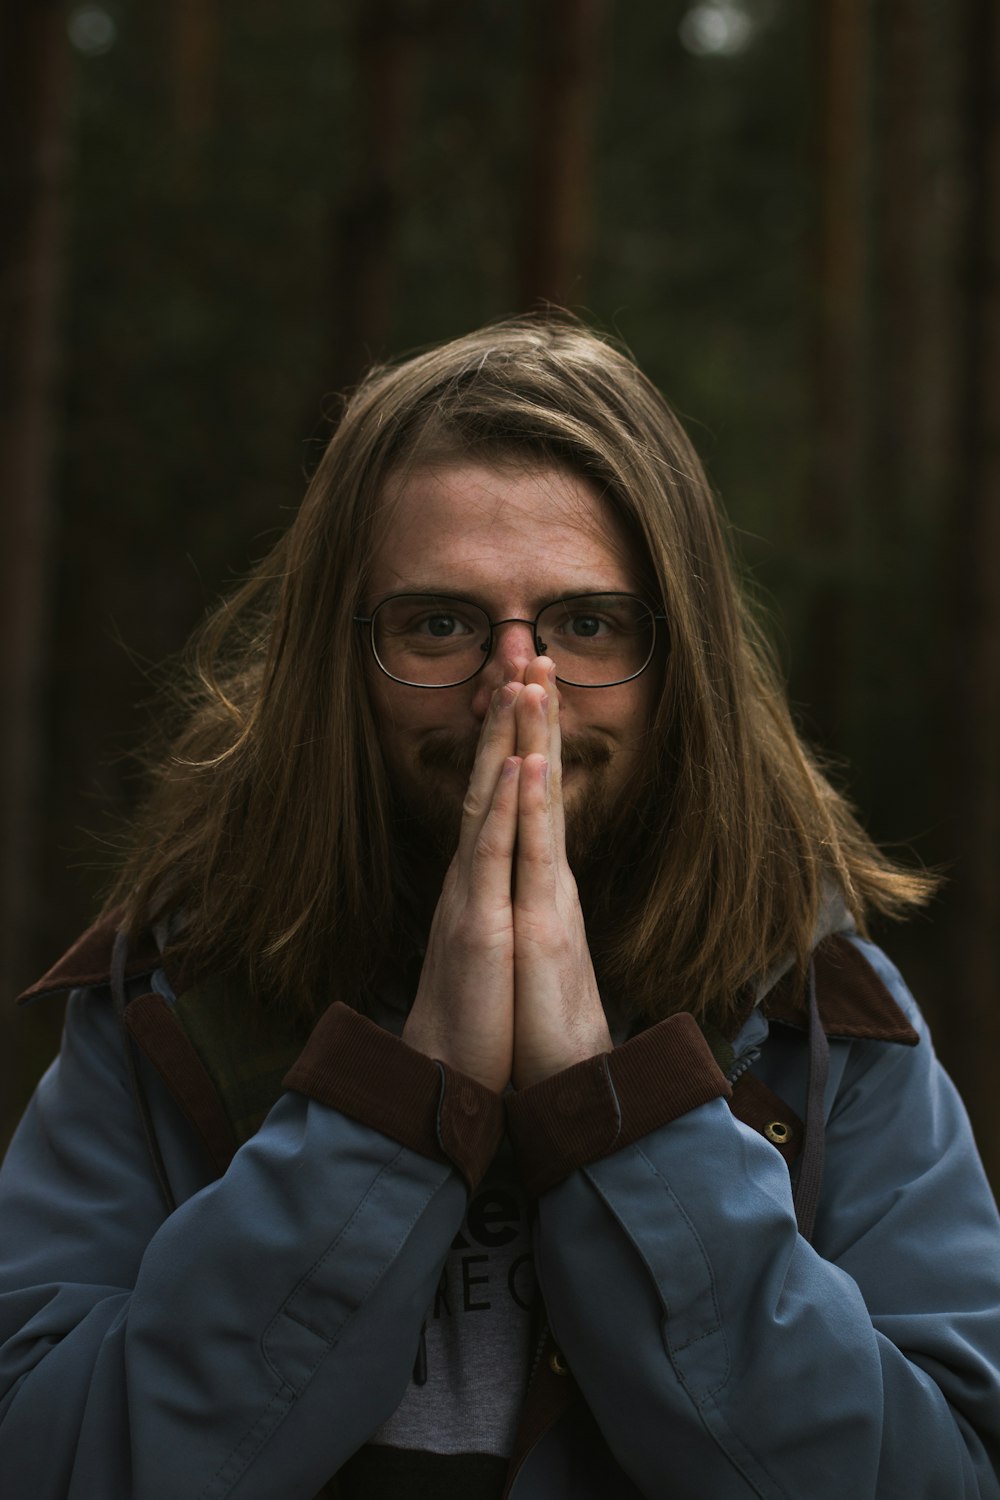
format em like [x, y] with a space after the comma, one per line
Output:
[34, 89]
[389, 38]
[914, 349]
[196, 26]
[971, 691]
[835, 484]
[911, 329]
[560, 144]
[34, 86]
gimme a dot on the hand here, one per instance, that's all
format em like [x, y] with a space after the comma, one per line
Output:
[558, 1015]
[463, 1012]
[507, 989]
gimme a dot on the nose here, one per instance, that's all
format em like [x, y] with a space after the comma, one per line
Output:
[513, 649]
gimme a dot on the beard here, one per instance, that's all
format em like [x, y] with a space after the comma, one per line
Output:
[606, 821]
[427, 811]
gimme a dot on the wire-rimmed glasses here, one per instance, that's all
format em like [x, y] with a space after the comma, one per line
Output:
[438, 641]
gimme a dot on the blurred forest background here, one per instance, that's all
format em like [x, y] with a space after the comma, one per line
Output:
[215, 214]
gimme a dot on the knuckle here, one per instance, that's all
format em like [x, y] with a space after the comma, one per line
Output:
[543, 931]
[487, 849]
[463, 933]
[472, 804]
[494, 841]
[537, 857]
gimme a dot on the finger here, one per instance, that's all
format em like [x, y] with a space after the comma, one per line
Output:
[497, 741]
[493, 853]
[555, 759]
[535, 848]
[543, 673]
[538, 671]
[532, 716]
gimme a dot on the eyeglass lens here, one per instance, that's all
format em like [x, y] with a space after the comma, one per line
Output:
[432, 641]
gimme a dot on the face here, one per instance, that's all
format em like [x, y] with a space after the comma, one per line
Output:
[510, 540]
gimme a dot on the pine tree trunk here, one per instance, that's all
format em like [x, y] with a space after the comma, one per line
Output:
[388, 51]
[971, 690]
[560, 144]
[34, 88]
[835, 484]
[196, 39]
[912, 307]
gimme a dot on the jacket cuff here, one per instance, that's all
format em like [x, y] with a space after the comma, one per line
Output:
[371, 1076]
[609, 1101]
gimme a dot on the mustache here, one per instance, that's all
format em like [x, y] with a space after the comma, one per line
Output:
[454, 752]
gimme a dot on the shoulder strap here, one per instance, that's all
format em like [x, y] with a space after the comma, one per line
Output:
[842, 997]
[119, 957]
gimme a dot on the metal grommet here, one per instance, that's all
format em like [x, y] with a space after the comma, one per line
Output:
[778, 1132]
[557, 1364]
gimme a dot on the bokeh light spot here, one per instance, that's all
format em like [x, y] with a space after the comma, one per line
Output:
[720, 28]
[92, 30]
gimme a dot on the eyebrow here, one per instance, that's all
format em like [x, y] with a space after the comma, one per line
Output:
[475, 596]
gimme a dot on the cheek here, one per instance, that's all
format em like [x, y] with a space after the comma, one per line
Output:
[642, 697]
[393, 705]
[401, 712]
[390, 709]
[624, 713]
[647, 700]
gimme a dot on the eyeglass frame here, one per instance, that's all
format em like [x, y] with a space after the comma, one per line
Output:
[491, 625]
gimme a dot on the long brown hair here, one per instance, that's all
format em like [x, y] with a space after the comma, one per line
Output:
[268, 829]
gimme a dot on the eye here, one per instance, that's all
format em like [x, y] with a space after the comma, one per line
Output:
[429, 622]
[586, 627]
[582, 625]
[441, 627]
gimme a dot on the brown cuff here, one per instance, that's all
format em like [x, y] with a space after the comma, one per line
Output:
[371, 1076]
[598, 1106]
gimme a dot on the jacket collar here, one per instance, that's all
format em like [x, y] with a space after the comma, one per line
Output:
[853, 1000]
[854, 1003]
[88, 962]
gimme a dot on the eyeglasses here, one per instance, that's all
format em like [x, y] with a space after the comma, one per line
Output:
[435, 641]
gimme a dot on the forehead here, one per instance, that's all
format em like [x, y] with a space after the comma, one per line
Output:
[533, 530]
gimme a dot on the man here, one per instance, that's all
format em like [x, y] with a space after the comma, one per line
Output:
[480, 1083]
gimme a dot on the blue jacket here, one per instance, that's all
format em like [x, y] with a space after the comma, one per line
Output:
[245, 1343]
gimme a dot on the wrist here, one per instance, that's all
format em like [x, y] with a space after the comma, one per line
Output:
[477, 1060]
[569, 1049]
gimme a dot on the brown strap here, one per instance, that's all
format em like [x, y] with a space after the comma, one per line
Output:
[548, 1397]
[119, 998]
[810, 1178]
[766, 1112]
[161, 1038]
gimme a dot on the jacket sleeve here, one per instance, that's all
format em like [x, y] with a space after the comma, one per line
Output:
[247, 1343]
[720, 1353]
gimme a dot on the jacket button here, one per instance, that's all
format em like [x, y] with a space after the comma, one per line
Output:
[778, 1132]
[557, 1363]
